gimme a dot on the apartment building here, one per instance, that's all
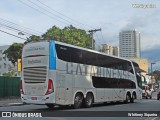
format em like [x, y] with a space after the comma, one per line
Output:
[129, 44]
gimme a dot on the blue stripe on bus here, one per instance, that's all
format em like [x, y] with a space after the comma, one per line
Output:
[52, 55]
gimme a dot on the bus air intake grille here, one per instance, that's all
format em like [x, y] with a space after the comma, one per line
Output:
[35, 74]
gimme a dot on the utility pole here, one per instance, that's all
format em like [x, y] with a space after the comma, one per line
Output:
[92, 40]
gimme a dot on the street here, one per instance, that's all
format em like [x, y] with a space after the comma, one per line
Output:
[149, 105]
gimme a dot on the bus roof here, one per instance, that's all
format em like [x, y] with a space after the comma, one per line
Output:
[94, 51]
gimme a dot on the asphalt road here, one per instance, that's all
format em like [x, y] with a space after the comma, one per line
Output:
[144, 105]
[111, 110]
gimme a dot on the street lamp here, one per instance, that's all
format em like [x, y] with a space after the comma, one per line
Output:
[151, 70]
[151, 66]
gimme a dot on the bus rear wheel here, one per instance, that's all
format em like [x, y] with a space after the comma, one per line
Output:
[78, 101]
[133, 98]
[128, 98]
[88, 101]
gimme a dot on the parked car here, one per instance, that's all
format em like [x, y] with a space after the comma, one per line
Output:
[146, 92]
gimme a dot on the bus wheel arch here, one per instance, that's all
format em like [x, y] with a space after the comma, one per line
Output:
[88, 100]
[78, 100]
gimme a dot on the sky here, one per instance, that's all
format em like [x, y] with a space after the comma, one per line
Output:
[112, 16]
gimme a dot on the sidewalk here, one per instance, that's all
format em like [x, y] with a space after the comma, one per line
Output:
[9, 101]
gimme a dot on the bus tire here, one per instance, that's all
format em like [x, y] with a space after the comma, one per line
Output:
[78, 101]
[50, 106]
[133, 98]
[88, 101]
[128, 98]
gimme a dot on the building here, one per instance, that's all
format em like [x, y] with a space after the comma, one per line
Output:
[129, 44]
[143, 64]
[116, 51]
[108, 49]
[5, 64]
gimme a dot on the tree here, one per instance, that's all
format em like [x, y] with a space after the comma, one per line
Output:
[69, 34]
[33, 38]
[13, 52]
[10, 74]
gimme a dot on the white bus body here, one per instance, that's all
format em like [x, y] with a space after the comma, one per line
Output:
[55, 73]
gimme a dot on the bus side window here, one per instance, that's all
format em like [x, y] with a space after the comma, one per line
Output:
[63, 52]
[90, 58]
[77, 56]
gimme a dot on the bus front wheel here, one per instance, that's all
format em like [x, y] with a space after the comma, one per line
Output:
[78, 101]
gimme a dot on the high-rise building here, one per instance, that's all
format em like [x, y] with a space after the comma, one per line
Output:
[129, 44]
[108, 49]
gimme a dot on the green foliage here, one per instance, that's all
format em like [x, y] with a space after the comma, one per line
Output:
[33, 38]
[13, 52]
[69, 34]
[10, 74]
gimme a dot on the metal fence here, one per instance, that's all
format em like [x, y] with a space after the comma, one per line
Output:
[9, 86]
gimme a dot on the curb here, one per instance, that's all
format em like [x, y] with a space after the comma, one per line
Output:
[12, 104]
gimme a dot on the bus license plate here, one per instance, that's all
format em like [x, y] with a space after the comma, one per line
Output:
[34, 98]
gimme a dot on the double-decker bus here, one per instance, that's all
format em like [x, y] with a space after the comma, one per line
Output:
[55, 73]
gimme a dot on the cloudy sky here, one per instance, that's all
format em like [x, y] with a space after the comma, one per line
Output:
[111, 16]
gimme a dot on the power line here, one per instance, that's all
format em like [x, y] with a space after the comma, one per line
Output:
[12, 35]
[102, 37]
[54, 14]
[49, 11]
[11, 28]
[11, 24]
[64, 15]
[42, 12]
